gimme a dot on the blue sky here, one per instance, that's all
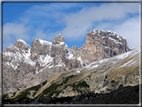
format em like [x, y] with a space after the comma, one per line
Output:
[29, 21]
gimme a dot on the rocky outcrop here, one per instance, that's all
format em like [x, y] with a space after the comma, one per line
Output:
[76, 51]
[22, 45]
[71, 63]
[58, 39]
[40, 47]
[102, 44]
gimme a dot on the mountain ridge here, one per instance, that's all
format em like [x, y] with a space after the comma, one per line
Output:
[25, 66]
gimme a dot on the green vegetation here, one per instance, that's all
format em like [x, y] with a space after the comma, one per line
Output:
[67, 78]
[22, 95]
[4, 96]
[44, 83]
[89, 76]
[26, 92]
[50, 91]
[80, 84]
[35, 88]
[123, 95]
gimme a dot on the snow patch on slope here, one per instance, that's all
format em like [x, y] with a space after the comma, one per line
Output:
[70, 55]
[43, 60]
[79, 58]
[129, 63]
[124, 55]
[27, 58]
[78, 71]
[115, 41]
[115, 59]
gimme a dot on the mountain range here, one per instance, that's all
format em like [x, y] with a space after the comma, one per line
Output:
[52, 69]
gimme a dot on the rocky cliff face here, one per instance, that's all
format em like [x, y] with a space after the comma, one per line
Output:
[25, 66]
[101, 44]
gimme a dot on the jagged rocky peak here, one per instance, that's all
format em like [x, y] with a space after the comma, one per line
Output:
[76, 51]
[40, 42]
[100, 34]
[59, 47]
[107, 38]
[59, 39]
[21, 44]
[101, 44]
[40, 47]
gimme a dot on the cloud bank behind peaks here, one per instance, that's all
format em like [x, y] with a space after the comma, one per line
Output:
[88, 15]
[74, 20]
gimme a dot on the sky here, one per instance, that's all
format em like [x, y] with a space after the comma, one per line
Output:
[45, 21]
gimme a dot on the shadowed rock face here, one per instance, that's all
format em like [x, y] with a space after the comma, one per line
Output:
[71, 63]
[25, 66]
[76, 51]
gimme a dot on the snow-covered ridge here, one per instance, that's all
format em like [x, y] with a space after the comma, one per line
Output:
[115, 59]
[44, 42]
[60, 43]
[95, 31]
[61, 35]
[129, 63]
[130, 53]
[17, 56]
[20, 40]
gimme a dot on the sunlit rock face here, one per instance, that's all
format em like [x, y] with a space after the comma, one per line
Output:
[102, 44]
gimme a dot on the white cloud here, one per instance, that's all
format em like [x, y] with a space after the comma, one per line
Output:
[111, 11]
[130, 29]
[40, 34]
[14, 31]
[76, 24]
